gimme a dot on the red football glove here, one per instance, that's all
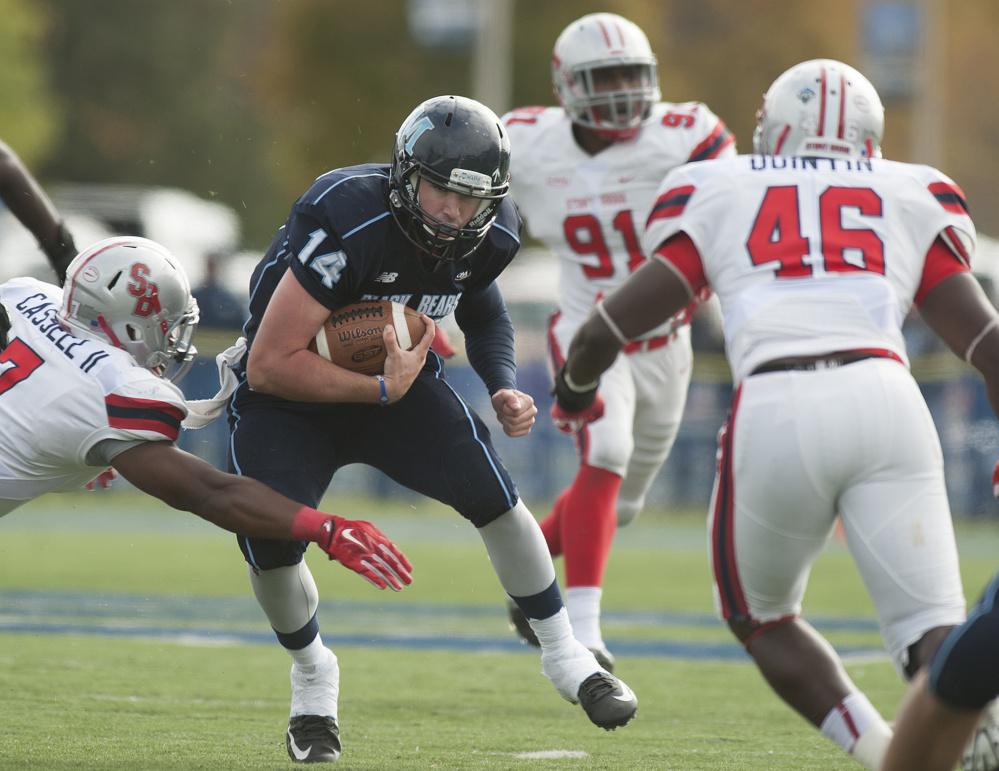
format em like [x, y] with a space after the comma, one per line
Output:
[995, 481]
[357, 545]
[103, 480]
[571, 422]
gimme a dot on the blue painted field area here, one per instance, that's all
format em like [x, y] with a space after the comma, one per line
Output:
[206, 621]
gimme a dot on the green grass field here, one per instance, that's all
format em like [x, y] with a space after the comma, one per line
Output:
[129, 639]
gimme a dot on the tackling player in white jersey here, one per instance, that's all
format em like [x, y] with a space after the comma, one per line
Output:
[87, 382]
[585, 175]
[816, 248]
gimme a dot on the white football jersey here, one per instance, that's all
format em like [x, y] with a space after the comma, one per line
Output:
[810, 256]
[591, 210]
[60, 395]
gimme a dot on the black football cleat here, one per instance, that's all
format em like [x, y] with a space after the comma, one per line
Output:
[607, 701]
[520, 624]
[604, 658]
[313, 739]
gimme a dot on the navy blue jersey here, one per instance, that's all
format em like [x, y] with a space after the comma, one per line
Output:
[344, 245]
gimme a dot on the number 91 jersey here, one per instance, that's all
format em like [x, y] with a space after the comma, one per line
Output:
[590, 210]
[810, 256]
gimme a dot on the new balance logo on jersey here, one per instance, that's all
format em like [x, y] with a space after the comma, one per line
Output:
[387, 278]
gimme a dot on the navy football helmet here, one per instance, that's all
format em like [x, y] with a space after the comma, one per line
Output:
[458, 144]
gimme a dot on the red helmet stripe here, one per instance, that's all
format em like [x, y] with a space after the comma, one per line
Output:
[780, 140]
[822, 106]
[71, 280]
[606, 34]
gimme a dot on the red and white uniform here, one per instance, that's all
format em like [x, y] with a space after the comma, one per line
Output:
[811, 258]
[69, 405]
[590, 211]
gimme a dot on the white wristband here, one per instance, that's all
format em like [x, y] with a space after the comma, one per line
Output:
[970, 350]
[611, 324]
[578, 389]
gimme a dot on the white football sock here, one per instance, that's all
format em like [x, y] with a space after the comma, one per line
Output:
[553, 632]
[583, 605]
[311, 656]
[856, 726]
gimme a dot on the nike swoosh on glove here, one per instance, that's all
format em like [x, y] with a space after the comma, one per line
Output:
[572, 422]
[357, 545]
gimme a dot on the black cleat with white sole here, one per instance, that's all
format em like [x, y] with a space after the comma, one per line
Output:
[313, 739]
[607, 701]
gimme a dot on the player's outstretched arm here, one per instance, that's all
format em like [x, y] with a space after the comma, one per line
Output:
[28, 202]
[248, 507]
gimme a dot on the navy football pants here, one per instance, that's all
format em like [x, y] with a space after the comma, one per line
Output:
[430, 441]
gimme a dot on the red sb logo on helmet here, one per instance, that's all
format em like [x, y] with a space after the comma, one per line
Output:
[148, 301]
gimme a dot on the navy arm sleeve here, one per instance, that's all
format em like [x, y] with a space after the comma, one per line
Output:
[488, 330]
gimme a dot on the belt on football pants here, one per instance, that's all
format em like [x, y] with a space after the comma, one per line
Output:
[804, 364]
[648, 345]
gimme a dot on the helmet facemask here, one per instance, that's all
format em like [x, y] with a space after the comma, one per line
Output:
[616, 115]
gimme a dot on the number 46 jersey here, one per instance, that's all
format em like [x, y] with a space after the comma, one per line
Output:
[590, 210]
[810, 256]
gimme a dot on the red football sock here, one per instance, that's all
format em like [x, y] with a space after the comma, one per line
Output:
[551, 526]
[589, 519]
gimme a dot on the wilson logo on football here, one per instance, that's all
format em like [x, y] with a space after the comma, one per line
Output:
[357, 333]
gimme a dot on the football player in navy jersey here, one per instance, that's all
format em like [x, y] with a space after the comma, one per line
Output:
[432, 229]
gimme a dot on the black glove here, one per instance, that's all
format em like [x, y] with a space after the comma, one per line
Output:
[569, 400]
[62, 253]
[4, 327]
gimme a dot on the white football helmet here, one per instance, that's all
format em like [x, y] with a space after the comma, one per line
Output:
[594, 42]
[820, 108]
[132, 293]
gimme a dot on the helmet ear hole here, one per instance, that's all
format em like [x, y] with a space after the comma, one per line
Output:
[134, 333]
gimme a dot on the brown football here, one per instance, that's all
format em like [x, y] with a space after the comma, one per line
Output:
[352, 336]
